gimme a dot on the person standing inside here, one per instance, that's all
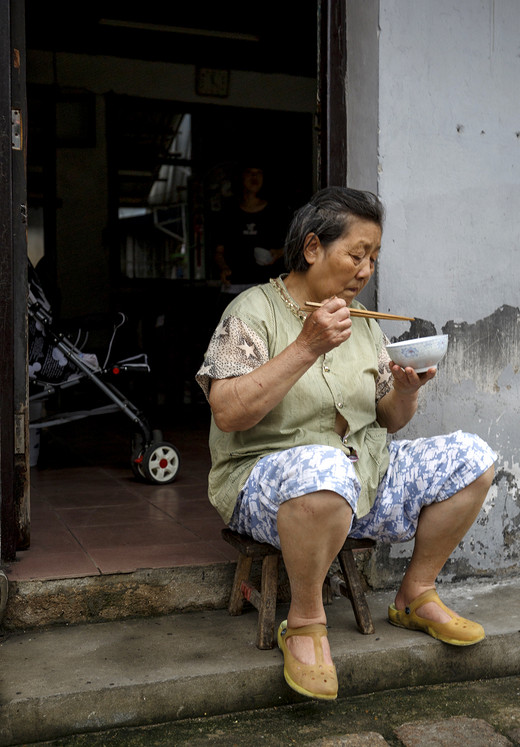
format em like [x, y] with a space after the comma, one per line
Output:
[250, 237]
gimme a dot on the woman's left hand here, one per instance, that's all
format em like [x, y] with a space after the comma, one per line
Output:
[407, 380]
[398, 407]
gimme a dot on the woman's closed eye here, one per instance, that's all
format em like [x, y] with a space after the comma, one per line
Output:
[358, 259]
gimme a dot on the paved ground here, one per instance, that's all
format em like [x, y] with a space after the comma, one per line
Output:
[474, 714]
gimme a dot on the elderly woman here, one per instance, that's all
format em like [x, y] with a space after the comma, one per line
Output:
[301, 406]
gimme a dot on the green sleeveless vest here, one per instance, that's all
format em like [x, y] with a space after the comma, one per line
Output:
[343, 381]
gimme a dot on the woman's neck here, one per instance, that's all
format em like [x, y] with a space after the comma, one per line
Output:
[296, 284]
[251, 203]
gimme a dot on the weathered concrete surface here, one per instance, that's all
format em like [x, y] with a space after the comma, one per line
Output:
[35, 604]
[85, 678]
[366, 739]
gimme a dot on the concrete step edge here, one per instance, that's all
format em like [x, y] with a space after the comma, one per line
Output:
[145, 703]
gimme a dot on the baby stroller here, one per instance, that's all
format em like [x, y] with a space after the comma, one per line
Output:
[56, 363]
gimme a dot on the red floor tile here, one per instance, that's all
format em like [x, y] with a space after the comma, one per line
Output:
[180, 508]
[205, 529]
[106, 516]
[119, 560]
[51, 565]
[90, 515]
[134, 535]
[225, 549]
[69, 497]
[52, 537]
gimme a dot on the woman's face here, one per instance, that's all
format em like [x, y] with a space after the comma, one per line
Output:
[253, 179]
[345, 266]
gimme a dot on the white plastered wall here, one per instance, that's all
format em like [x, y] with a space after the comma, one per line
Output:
[448, 150]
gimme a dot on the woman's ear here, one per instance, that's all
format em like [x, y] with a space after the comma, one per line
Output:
[311, 247]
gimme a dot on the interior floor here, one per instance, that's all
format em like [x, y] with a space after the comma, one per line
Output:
[91, 516]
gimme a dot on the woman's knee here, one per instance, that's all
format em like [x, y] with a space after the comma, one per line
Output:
[489, 475]
[321, 506]
[485, 480]
[473, 496]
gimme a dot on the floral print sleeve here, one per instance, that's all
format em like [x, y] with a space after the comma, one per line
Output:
[384, 382]
[234, 349]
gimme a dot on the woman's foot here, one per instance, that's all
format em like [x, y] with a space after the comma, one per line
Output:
[450, 628]
[316, 677]
[302, 648]
[428, 610]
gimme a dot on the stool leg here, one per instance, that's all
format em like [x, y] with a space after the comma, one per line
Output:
[356, 592]
[243, 569]
[267, 608]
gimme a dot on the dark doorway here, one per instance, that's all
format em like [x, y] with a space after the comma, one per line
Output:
[173, 167]
[64, 118]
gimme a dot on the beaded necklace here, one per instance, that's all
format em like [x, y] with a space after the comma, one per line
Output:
[293, 307]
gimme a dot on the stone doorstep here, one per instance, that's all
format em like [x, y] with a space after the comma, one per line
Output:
[144, 593]
[37, 604]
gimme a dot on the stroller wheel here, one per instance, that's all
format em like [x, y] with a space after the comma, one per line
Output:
[160, 463]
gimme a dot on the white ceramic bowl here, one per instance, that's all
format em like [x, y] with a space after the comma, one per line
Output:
[421, 354]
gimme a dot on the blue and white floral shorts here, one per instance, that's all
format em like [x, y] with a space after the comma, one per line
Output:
[421, 472]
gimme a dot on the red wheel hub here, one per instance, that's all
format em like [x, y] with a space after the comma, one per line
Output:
[163, 463]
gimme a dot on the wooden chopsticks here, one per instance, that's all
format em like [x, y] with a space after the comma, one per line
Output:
[368, 314]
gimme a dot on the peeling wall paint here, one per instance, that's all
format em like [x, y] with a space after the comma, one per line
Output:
[477, 389]
[486, 352]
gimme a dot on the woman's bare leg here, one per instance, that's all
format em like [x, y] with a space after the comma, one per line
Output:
[440, 529]
[312, 529]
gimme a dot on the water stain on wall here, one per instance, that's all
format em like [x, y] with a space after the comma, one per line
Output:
[477, 389]
[484, 350]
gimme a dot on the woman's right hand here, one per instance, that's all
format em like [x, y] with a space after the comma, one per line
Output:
[327, 327]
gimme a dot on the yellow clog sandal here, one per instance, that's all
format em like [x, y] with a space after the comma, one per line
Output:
[318, 680]
[458, 631]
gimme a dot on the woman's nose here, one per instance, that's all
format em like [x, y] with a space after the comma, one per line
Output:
[366, 268]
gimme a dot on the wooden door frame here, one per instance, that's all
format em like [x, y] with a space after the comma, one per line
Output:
[332, 93]
[347, 120]
[14, 420]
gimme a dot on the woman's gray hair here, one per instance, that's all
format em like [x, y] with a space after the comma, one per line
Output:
[328, 215]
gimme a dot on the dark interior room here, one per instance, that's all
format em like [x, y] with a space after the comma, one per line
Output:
[139, 121]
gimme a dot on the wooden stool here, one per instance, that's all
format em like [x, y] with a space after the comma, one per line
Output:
[264, 600]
